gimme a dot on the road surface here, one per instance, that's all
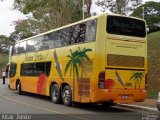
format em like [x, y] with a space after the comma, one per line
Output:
[31, 106]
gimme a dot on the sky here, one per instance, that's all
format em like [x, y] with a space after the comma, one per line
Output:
[8, 15]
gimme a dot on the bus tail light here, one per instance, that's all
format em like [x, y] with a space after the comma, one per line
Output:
[101, 80]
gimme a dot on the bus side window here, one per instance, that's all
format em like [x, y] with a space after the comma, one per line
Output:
[38, 43]
[47, 68]
[91, 31]
[30, 46]
[15, 49]
[48, 41]
[22, 47]
[13, 68]
[77, 33]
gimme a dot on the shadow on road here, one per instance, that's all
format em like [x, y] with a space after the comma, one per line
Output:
[83, 106]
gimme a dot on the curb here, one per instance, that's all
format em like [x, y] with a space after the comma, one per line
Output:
[139, 107]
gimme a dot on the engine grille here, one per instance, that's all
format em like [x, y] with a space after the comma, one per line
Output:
[125, 61]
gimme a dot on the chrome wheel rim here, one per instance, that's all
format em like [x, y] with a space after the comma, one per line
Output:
[66, 96]
[18, 87]
[55, 94]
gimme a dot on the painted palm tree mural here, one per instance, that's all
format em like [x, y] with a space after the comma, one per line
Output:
[73, 63]
[76, 64]
[137, 77]
[76, 61]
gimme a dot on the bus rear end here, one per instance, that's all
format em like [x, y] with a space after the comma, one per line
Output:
[125, 58]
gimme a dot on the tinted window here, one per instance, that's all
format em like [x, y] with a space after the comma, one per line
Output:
[15, 48]
[28, 69]
[30, 46]
[125, 26]
[83, 32]
[12, 71]
[77, 33]
[49, 41]
[38, 43]
[35, 69]
[22, 47]
[91, 31]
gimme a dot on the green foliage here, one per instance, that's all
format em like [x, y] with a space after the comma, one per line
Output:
[153, 84]
[151, 13]
[3, 60]
[153, 94]
[5, 42]
[45, 15]
[119, 6]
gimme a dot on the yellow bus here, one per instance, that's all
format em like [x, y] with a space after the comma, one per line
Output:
[102, 59]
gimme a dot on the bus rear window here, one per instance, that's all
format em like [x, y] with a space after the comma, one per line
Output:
[125, 26]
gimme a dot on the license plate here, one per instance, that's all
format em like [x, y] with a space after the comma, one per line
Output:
[125, 96]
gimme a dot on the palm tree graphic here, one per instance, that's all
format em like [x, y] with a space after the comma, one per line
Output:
[77, 59]
[137, 77]
[73, 63]
[82, 56]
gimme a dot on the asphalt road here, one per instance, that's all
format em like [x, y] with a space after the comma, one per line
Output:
[31, 106]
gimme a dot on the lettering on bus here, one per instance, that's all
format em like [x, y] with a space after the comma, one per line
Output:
[120, 24]
[125, 26]
[28, 57]
[35, 57]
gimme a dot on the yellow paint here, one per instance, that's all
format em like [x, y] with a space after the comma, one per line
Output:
[104, 44]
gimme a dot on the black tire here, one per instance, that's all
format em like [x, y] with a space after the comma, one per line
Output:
[67, 96]
[158, 106]
[9, 87]
[19, 88]
[56, 94]
[108, 104]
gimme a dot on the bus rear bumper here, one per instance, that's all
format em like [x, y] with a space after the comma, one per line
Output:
[122, 96]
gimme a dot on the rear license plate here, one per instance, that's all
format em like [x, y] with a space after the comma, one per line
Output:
[125, 96]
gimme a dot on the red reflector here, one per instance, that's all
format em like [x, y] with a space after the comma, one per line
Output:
[109, 83]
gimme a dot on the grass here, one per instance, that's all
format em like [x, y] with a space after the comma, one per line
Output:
[153, 64]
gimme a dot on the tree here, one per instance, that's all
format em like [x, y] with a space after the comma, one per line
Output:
[45, 15]
[151, 15]
[5, 42]
[88, 4]
[119, 6]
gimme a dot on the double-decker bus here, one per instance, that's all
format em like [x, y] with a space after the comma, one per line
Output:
[102, 59]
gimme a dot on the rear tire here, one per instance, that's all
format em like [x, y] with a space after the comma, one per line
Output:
[55, 94]
[158, 106]
[19, 88]
[67, 96]
[108, 104]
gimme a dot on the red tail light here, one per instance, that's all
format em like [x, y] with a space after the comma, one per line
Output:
[101, 80]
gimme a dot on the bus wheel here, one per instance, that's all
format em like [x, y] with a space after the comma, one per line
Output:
[55, 94]
[19, 88]
[67, 96]
[108, 104]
